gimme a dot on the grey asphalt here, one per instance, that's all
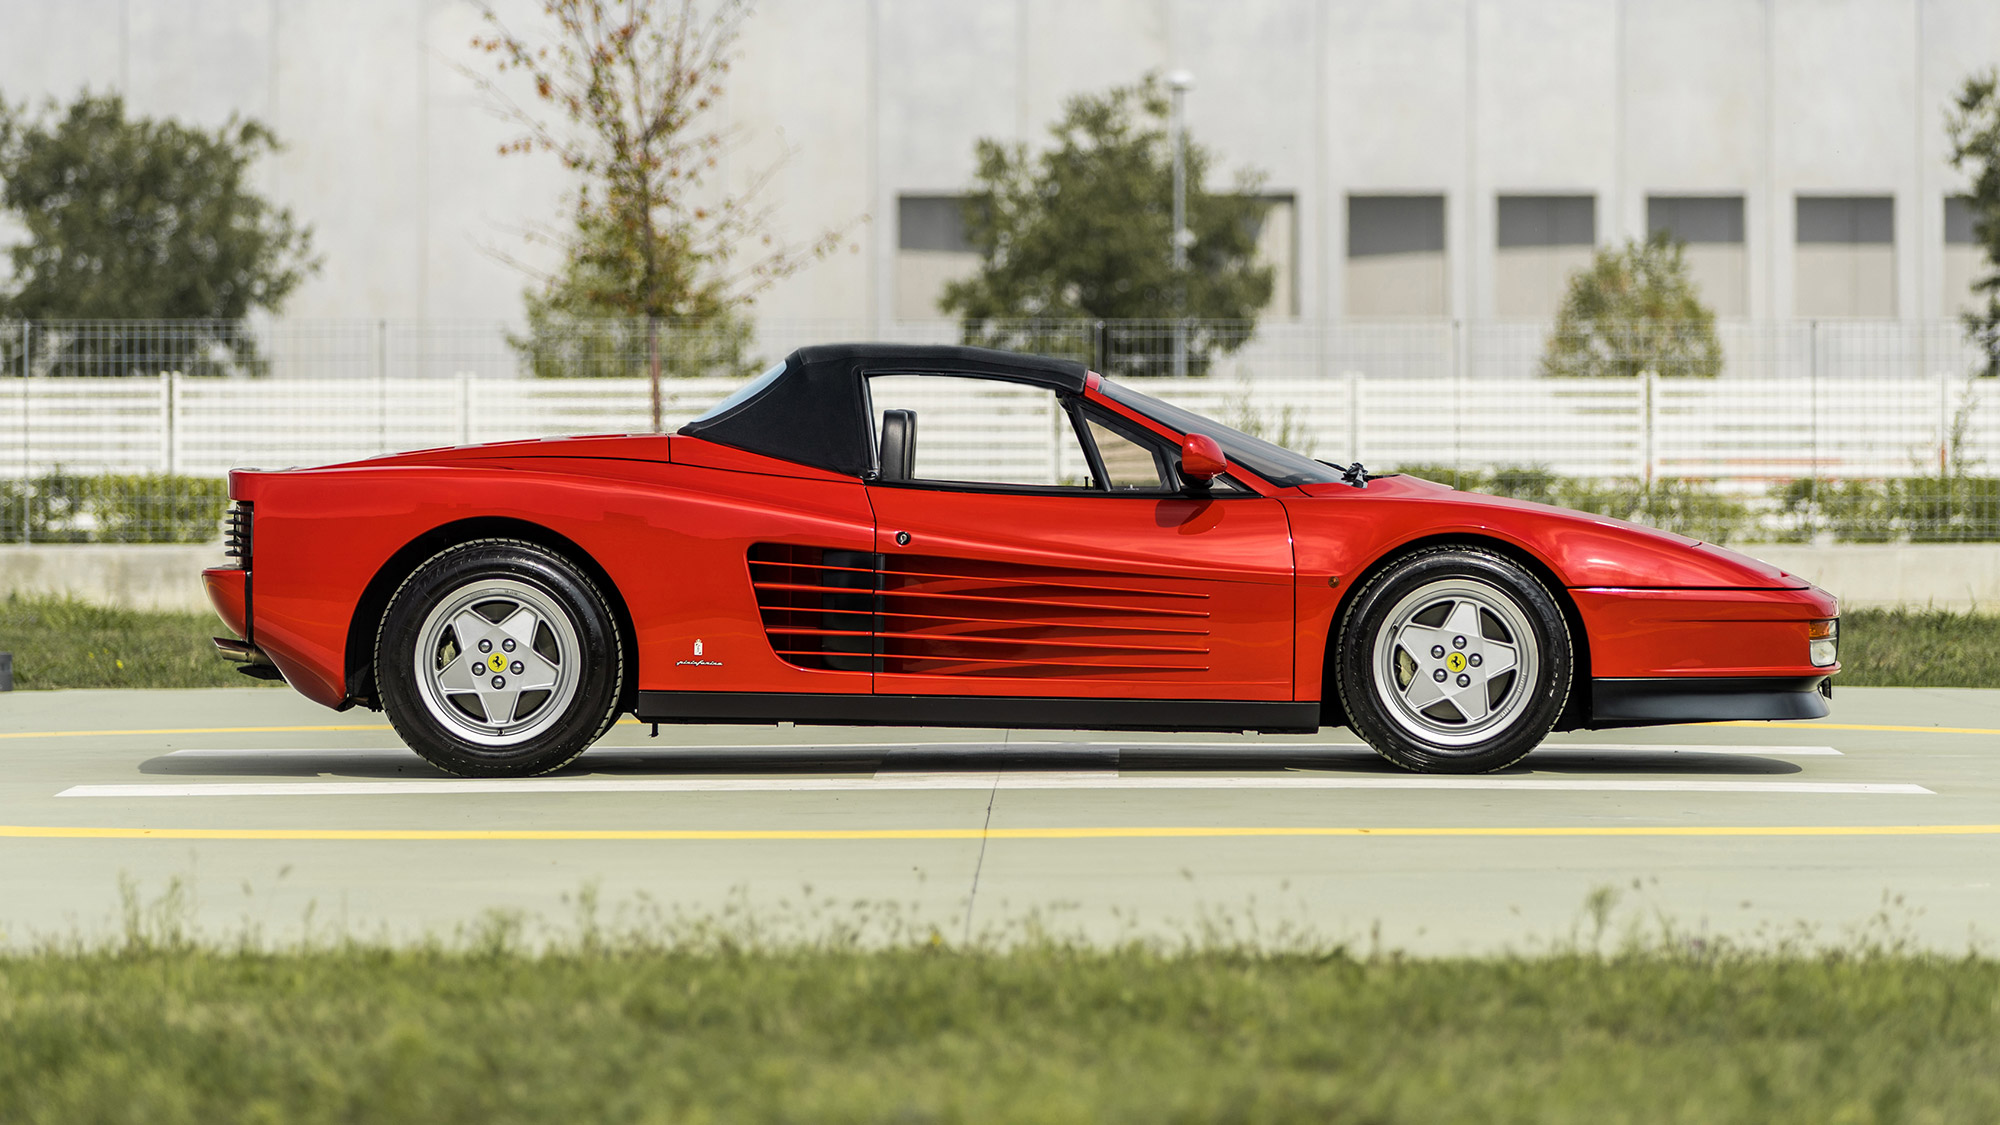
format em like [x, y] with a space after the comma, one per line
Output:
[1105, 836]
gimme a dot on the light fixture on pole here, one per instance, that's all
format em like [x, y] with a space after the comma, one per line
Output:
[1180, 82]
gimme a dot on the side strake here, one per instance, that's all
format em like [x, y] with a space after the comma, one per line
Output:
[970, 618]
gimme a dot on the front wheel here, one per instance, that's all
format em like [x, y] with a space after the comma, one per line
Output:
[1454, 660]
[499, 658]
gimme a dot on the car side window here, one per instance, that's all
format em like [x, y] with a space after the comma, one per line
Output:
[949, 429]
[1128, 465]
[1138, 461]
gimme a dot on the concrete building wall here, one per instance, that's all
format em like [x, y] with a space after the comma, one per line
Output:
[857, 103]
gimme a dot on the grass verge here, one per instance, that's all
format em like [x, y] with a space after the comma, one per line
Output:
[1040, 1033]
[65, 643]
[1918, 648]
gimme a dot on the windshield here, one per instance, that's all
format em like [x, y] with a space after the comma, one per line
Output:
[744, 393]
[1274, 463]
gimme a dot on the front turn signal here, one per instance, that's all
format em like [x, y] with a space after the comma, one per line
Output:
[1823, 641]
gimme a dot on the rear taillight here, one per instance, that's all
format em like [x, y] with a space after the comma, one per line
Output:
[236, 533]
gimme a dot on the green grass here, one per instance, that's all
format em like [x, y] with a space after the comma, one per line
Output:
[1918, 648]
[65, 643]
[1041, 1033]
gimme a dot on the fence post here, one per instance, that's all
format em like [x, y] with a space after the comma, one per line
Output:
[1647, 447]
[653, 369]
[1459, 361]
[465, 408]
[27, 433]
[1812, 412]
[167, 422]
[1945, 427]
[1056, 419]
[382, 386]
[1354, 415]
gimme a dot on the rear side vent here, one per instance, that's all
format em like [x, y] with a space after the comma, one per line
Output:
[236, 533]
[927, 615]
[818, 605]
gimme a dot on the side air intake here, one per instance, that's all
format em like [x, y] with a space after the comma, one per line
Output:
[932, 615]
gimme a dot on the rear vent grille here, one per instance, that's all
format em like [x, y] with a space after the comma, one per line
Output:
[856, 611]
[236, 533]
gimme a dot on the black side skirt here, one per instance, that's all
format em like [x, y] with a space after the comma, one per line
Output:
[1633, 703]
[976, 711]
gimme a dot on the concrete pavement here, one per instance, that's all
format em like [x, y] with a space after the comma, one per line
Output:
[282, 818]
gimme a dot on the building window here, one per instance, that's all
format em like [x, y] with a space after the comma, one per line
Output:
[1846, 263]
[1964, 259]
[1277, 246]
[1395, 256]
[931, 252]
[1542, 239]
[1711, 228]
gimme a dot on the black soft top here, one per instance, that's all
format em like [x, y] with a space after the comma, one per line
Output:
[816, 411]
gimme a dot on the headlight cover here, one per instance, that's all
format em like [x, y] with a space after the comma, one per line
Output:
[1823, 642]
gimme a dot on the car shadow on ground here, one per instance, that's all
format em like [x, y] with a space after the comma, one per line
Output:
[889, 760]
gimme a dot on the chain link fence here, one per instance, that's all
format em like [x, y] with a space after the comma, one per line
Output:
[1861, 431]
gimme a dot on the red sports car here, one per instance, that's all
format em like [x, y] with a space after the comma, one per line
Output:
[807, 552]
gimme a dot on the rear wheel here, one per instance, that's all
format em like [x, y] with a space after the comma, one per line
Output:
[499, 658]
[1454, 660]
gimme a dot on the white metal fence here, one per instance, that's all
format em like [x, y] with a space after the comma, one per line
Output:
[1793, 402]
[1747, 431]
[392, 349]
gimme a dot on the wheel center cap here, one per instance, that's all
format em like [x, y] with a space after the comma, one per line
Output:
[498, 662]
[1455, 662]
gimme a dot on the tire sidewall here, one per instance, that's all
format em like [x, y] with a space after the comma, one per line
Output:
[590, 712]
[1367, 616]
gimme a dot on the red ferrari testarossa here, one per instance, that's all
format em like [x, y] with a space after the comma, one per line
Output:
[807, 551]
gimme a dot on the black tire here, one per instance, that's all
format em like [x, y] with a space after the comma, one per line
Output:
[1454, 660]
[541, 619]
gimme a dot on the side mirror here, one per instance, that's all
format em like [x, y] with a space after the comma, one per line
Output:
[1202, 459]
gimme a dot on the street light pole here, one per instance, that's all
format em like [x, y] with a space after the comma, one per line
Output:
[1180, 81]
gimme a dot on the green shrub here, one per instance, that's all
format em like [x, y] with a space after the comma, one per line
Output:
[1950, 509]
[60, 507]
[156, 508]
[1524, 482]
[1466, 480]
[1940, 509]
[1621, 498]
[1691, 508]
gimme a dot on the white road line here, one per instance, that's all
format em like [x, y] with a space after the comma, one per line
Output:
[1004, 780]
[1694, 748]
[1093, 748]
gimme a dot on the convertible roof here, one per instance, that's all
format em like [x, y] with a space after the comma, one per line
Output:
[816, 412]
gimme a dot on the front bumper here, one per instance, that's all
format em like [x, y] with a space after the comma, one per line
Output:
[1644, 702]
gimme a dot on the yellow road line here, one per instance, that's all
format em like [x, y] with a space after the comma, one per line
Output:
[1139, 832]
[192, 730]
[635, 722]
[220, 730]
[1851, 726]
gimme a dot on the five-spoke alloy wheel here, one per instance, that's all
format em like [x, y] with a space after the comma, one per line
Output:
[499, 658]
[1454, 660]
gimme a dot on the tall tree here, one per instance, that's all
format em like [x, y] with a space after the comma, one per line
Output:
[1083, 230]
[623, 96]
[1635, 309]
[140, 219]
[1973, 126]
